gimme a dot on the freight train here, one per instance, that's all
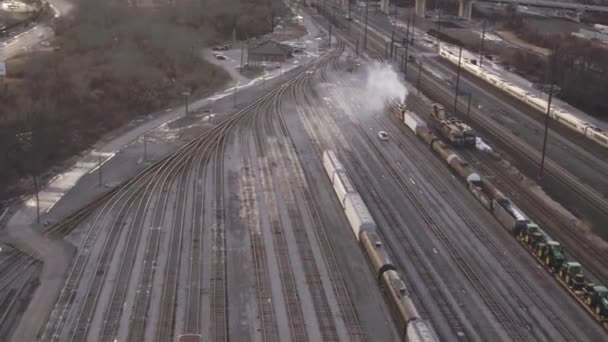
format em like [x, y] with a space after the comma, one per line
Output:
[548, 252]
[411, 325]
[558, 113]
[455, 131]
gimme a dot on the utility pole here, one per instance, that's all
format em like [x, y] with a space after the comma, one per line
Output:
[37, 199]
[145, 147]
[348, 20]
[438, 27]
[419, 75]
[552, 65]
[413, 26]
[99, 166]
[386, 50]
[403, 65]
[357, 48]
[235, 85]
[365, 34]
[457, 80]
[329, 42]
[407, 44]
[242, 54]
[392, 43]
[186, 94]
[483, 36]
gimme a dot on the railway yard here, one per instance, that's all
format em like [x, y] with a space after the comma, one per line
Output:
[288, 217]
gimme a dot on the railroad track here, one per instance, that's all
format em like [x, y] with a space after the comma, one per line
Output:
[141, 181]
[592, 197]
[266, 312]
[536, 118]
[294, 168]
[345, 303]
[581, 248]
[552, 316]
[546, 218]
[584, 191]
[467, 216]
[494, 303]
[289, 289]
[413, 252]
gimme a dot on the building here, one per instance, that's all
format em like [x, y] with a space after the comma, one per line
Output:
[268, 51]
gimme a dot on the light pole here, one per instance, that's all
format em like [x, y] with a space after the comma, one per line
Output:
[469, 105]
[365, 34]
[419, 75]
[457, 80]
[407, 44]
[438, 25]
[235, 85]
[186, 94]
[99, 166]
[38, 199]
[483, 36]
[145, 147]
[392, 43]
[552, 64]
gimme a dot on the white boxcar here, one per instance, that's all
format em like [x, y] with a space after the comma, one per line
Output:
[421, 331]
[412, 121]
[357, 214]
[331, 163]
[342, 186]
[507, 214]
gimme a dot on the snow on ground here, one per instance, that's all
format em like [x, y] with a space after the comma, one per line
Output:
[488, 36]
[16, 6]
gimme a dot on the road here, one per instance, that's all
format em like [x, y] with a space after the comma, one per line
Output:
[32, 38]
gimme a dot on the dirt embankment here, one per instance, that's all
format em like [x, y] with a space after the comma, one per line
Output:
[109, 64]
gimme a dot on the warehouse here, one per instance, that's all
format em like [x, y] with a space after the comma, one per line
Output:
[268, 51]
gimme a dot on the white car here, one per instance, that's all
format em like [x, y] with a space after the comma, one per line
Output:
[382, 135]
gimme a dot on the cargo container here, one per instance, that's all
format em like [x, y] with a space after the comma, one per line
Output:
[376, 252]
[421, 331]
[357, 214]
[331, 163]
[510, 217]
[342, 185]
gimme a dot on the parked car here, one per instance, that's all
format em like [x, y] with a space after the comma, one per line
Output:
[220, 57]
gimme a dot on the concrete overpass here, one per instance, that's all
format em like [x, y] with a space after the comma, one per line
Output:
[464, 10]
[555, 4]
[465, 7]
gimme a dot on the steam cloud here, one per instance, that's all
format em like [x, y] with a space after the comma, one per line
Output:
[382, 84]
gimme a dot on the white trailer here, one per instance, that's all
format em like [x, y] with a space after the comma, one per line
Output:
[342, 186]
[357, 214]
[331, 163]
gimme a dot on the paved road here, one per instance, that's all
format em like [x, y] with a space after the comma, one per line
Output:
[33, 37]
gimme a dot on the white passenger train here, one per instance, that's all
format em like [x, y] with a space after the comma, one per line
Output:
[558, 113]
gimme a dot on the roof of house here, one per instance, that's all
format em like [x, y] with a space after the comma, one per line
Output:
[270, 47]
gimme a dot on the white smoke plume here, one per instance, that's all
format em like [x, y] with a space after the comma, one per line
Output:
[382, 84]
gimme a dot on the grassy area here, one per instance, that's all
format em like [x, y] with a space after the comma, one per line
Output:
[512, 38]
